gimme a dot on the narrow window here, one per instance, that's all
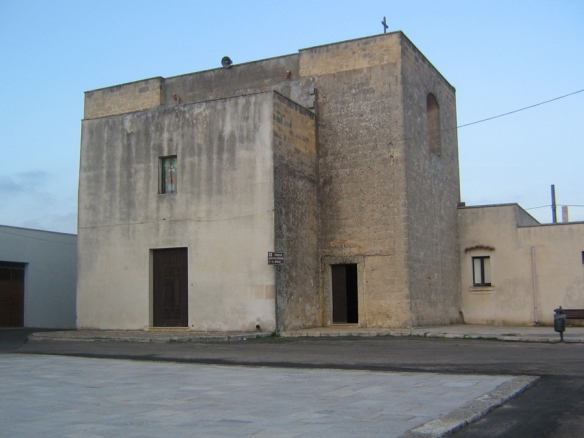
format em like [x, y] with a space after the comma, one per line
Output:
[167, 175]
[434, 141]
[481, 271]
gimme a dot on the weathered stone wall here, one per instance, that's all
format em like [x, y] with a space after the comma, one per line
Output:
[432, 193]
[385, 202]
[296, 215]
[238, 80]
[222, 212]
[125, 98]
[350, 55]
[280, 74]
[362, 173]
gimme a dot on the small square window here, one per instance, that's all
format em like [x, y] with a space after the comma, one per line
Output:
[167, 175]
[481, 271]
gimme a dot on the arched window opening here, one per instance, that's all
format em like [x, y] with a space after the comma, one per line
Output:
[434, 141]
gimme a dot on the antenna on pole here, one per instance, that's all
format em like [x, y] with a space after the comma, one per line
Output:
[385, 26]
[554, 217]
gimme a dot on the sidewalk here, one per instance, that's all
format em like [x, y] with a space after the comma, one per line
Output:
[462, 331]
[157, 336]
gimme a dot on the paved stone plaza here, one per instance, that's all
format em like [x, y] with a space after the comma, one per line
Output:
[52, 396]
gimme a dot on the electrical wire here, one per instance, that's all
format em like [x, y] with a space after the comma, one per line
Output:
[490, 118]
[557, 205]
[521, 109]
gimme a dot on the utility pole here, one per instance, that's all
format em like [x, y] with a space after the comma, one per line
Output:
[554, 217]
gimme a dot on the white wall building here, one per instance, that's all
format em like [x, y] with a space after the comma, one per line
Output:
[516, 271]
[38, 278]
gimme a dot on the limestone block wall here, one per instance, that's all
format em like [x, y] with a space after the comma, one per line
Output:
[280, 74]
[223, 212]
[362, 181]
[125, 98]
[433, 192]
[296, 215]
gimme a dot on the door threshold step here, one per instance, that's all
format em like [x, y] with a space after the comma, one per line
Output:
[167, 329]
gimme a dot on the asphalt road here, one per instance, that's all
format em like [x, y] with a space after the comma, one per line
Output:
[554, 407]
[11, 339]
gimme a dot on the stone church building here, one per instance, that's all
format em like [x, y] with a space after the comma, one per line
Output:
[341, 157]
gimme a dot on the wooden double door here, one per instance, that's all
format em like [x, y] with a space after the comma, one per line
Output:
[11, 294]
[170, 287]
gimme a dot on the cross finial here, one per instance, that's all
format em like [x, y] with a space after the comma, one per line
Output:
[385, 26]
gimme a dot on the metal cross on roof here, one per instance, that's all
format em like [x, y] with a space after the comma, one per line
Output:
[385, 26]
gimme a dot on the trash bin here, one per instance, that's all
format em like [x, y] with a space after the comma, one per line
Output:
[560, 322]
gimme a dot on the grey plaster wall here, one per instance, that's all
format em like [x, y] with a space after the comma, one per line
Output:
[223, 212]
[50, 274]
[433, 192]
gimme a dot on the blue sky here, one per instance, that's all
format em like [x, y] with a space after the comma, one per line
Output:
[500, 56]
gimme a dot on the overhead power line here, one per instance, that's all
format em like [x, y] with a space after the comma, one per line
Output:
[521, 109]
[491, 118]
[557, 205]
